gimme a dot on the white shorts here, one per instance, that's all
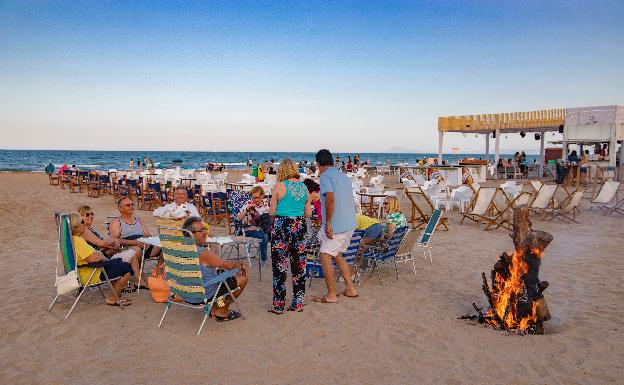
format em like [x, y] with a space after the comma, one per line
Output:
[125, 255]
[338, 244]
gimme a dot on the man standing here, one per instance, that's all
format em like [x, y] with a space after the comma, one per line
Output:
[338, 210]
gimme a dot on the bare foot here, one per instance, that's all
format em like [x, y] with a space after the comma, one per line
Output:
[325, 299]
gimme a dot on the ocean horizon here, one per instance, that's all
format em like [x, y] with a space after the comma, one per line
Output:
[36, 160]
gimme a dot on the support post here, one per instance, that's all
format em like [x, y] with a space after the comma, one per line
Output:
[612, 148]
[621, 172]
[440, 142]
[541, 157]
[487, 147]
[497, 147]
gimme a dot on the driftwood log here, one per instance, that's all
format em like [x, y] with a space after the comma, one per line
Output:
[530, 244]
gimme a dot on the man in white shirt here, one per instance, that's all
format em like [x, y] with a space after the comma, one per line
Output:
[180, 198]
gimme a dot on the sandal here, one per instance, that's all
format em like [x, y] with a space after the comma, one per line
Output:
[272, 310]
[298, 310]
[129, 289]
[232, 315]
[141, 287]
[124, 301]
[322, 299]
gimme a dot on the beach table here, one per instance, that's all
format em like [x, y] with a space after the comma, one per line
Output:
[188, 182]
[227, 245]
[369, 208]
[238, 186]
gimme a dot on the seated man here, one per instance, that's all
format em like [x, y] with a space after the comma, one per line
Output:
[128, 228]
[180, 198]
[86, 254]
[209, 263]
[250, 216]
[373, 229]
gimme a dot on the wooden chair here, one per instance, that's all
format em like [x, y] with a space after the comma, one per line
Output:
[422, 209]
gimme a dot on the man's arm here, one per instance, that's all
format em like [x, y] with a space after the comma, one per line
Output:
[329, 212]
[209, 258]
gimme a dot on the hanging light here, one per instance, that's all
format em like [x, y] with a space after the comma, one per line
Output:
[537, 136]
[476, 136]
[494, 134]
[522, 134]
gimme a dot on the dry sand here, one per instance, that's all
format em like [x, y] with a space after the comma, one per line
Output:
[397, 333]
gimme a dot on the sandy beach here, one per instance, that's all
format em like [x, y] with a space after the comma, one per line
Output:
[401, 332]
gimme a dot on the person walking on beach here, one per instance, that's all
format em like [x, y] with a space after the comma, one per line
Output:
[131, 165]
[338, 211]
[290, 203]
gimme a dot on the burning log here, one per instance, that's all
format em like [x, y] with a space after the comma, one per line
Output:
[516, 302]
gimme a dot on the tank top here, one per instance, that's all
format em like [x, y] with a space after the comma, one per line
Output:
[131, 231]
[293, 202]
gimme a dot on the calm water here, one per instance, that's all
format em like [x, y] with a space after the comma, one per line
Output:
[36, 160]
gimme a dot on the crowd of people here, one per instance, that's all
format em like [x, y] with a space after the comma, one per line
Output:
[281, 225]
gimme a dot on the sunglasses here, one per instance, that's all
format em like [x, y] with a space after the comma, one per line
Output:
[386, 203]
[199, 231]
[89, 214]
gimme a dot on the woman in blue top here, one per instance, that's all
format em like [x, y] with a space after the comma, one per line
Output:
[290, 203]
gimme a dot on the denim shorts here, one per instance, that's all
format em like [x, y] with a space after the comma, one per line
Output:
[374, 232]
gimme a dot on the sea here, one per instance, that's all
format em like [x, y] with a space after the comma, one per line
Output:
[36, 160]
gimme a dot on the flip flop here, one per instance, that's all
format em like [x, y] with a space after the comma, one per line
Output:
[290, 308]
[123, 302]
[232, 315]
[322, 299]
[348, 296]
[272, 310]
[140, 287]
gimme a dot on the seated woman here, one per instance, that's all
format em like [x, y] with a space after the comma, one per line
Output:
[86, 254]
[251, 215]
[394, 216]
[373, 230]
[110, 247]
[209, 264]
[127, 228]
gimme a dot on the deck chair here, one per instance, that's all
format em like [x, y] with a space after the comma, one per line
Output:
[184, 277]
[422, 209]
[425, 237]
[536, 185]
[483, 208]
[503, 209]
[67, 257]
[607, 199]
[375, 256]
[236, 200]
[544, 199]
[313, 263]
[567, 209]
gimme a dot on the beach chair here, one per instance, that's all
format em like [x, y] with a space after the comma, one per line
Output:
[374, 256]
[536, 185]
[567, 209]
[483, 208]
[184, 277]
[313, 263]
[425, 237]
[607, 199]
[236, 200]
[54, 179]
[219, 204]
[67, 257]
[422, 208]
[544, 199]
[502, 210]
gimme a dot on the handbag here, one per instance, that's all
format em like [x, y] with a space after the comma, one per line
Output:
[159, 289]
[67, 283]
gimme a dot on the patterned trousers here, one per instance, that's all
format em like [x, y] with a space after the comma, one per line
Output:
[288, 242]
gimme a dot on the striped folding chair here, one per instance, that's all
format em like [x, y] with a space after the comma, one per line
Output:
[313, 264]
[67, 257]
[378, 255]
[425, 237]
[184, 277]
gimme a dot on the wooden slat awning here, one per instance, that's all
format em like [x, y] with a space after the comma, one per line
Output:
[531, 121]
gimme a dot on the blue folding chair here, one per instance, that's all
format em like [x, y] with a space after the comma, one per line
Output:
[313, 263]
[378, 255]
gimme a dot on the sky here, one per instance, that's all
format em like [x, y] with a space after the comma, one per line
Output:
[360, 76]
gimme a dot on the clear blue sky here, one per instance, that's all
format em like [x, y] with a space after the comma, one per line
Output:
[236, 75]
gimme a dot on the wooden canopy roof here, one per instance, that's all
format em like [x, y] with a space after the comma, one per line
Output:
[531, 121]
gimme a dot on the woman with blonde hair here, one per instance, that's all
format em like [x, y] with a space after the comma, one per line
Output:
[86, 254]
[111, 247]
[394, 216]
[290, 203]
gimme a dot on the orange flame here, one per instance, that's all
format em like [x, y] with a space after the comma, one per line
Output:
[507, 292]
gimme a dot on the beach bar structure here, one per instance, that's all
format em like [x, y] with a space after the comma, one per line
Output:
[538, 122]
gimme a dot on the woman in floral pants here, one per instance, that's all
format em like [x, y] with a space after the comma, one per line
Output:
[290, 204]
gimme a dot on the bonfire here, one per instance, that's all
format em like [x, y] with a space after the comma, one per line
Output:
[515, 298]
